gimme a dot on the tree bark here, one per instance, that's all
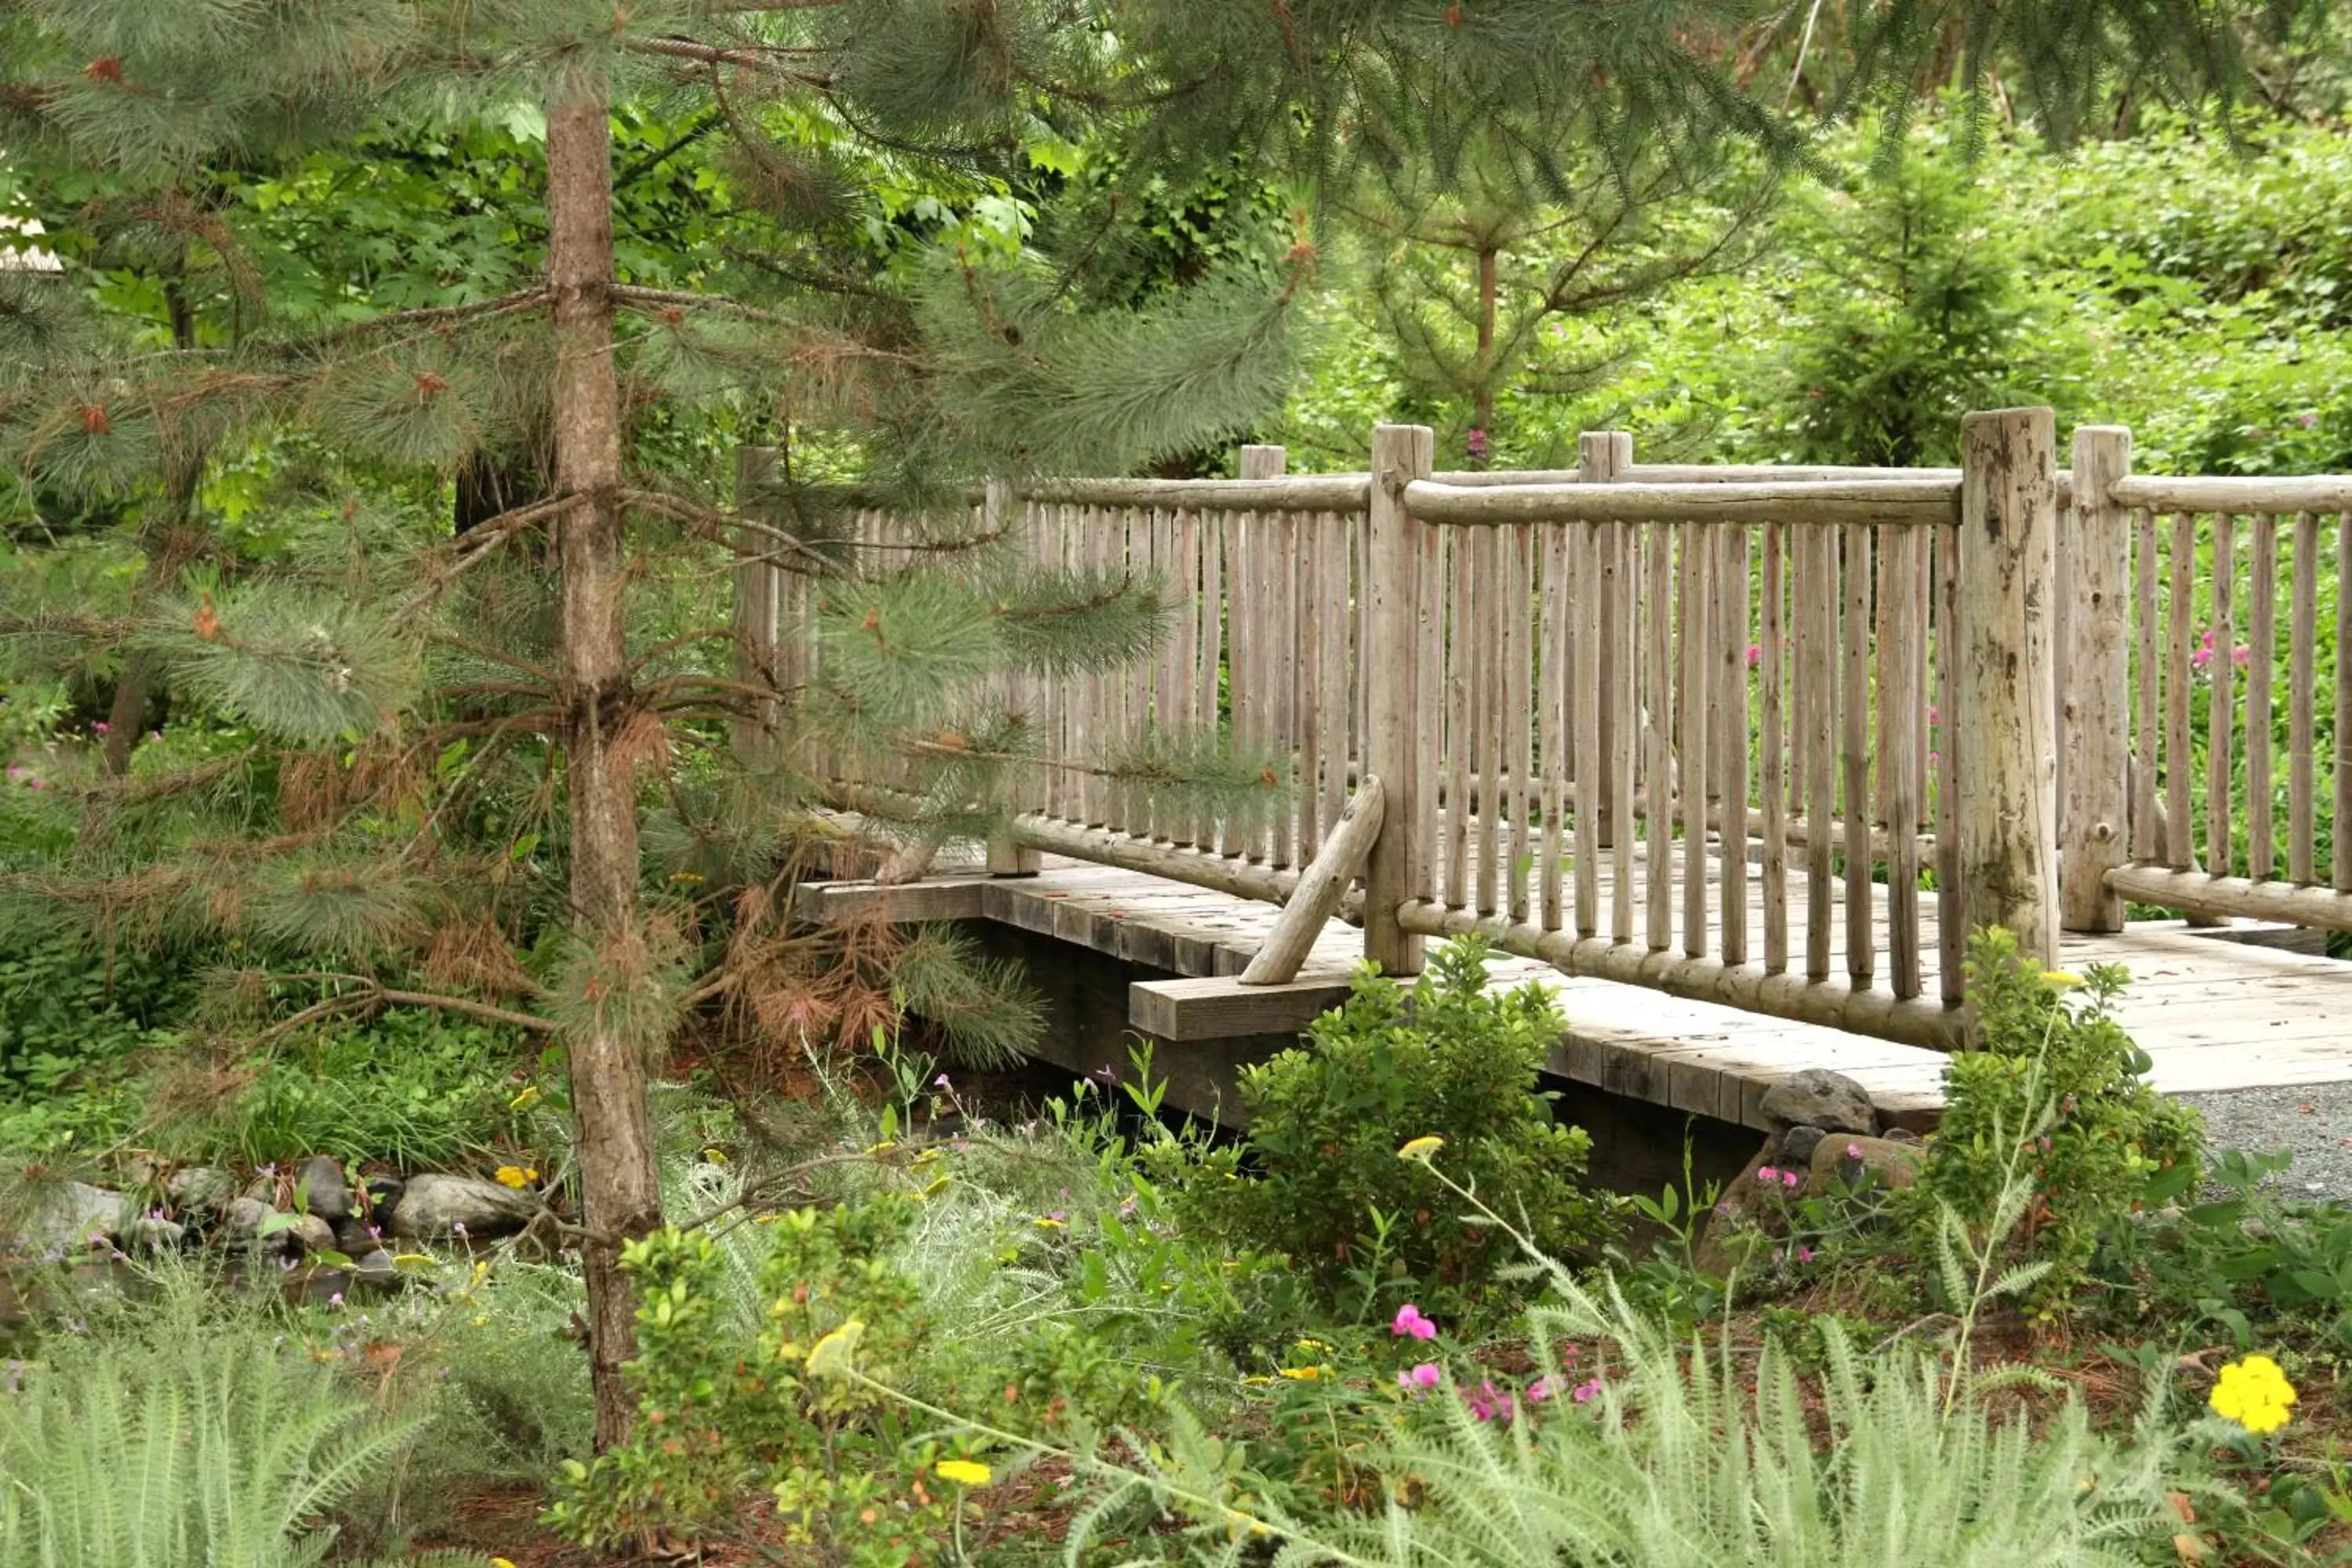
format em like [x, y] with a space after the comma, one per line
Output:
[620, 1183]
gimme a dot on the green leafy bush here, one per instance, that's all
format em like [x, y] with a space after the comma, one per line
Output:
[2053, 1088]
[1319, 1177]
[71, 1018]
[413, 1086]
[719, 1416]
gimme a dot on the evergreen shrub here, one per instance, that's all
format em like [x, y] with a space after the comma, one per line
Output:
[1318, 1176]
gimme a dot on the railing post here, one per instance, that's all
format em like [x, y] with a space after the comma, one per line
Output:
[1394, 750]
[2006, 729]
[1005, 857]
[758, 584]
[1604, 456]
[2094, 703]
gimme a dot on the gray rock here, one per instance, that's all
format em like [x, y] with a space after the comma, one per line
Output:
[374, 1271]
[319, 1189]
[1890, 1164]
[69, 1214]
[153, 1235]
[200, 1189]
[315, 1234]
[1798, 1143]
[1820, 1098]
[243, 1218]
[434, 1206]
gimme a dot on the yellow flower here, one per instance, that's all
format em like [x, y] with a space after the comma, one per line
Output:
[1302, 1373]
[502, 1563]
[516, 1177]
[882, 1148]
[830, 1355]
[2060, 977]
[1310, 1346]
[965, 1472]
[1255, 1380]
[1047, 1222]
[1421, 1149]
[714, 1156]
[528, 1097]
[2253, 1393]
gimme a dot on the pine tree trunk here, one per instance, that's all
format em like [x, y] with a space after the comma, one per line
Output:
[621, 1186]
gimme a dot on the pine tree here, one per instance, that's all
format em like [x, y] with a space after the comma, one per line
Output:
[498, 761]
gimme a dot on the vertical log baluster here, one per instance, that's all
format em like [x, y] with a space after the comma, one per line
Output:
[2302, 864]
[1773, 753]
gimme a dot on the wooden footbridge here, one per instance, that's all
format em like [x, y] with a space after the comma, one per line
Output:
[1733, 755]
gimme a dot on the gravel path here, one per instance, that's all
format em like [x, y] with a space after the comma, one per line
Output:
[2314, 1120]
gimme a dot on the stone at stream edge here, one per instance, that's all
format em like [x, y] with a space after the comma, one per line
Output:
[321, 1189]
[1891, 1164]
[1820, 1098]
[434, 1206]
[70, 1215]
[200, 1189]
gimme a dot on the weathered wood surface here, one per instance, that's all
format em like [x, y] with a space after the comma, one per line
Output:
[2211, 1014]
[1321, 887]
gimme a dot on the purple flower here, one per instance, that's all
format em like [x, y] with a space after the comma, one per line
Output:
[2308, 420]
[336, 1301]
[941, 1081]
[1420, 1379]
[1585, 1393]
[458, 1229]
[1409, 1321]
[1105, 1073]
[375, 1233]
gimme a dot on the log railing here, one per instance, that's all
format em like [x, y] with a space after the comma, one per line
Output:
[1776, 737]
[2211, 645]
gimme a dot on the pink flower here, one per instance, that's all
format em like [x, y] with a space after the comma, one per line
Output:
[1804, 1255]
[1410, 1323]
[1935, 714]
[1420, 1380]
[1477, 443]
[1488, 1403]
[1935, 756]
[100, 727]
[2308, 420]
[2241, 654]
[1767, 1175]
[1542, 1388]
[336, 1301]
[1853, 1151]
[2201, 658]
[2206, 639]
[1755, 655]
[1585, 1393]
[1788, 1179]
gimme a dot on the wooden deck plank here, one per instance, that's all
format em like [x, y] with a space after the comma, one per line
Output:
[2212, 1014]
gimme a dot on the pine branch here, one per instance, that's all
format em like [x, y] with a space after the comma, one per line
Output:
[374, 994]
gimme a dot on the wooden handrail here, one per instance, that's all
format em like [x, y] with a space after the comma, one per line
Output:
[1928, 503]
[2230, 493]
